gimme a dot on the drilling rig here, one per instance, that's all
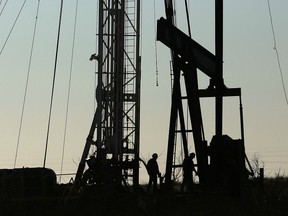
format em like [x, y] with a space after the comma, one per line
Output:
[221, 164]
[111, 150]
[112, 145]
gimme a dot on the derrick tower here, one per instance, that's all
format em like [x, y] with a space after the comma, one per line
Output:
[114, 133]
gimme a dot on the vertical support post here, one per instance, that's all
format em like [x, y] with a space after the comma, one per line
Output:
[99, 91]
[176, 94]
[219, 66]
[138, 89]
[119, 77]
[241, 118]
[261, 177]
[191, 83]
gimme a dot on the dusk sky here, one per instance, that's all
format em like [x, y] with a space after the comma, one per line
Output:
[250, 62]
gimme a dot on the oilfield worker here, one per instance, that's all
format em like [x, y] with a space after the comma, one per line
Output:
[153, 172]
[188, 169]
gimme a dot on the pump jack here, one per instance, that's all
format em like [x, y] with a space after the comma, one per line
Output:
[223, 162]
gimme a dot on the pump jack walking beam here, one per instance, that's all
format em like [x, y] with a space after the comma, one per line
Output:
[186, 47]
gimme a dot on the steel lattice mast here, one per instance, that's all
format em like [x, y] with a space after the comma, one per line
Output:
[115, 126]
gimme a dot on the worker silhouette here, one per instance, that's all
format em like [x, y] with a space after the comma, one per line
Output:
[188, 169]
[153, 172]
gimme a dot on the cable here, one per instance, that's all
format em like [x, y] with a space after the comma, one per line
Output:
[69, 89]
[27, 81]
[277, 53]
[95, 64]
[189, 31]
[12, 25]
[53, 84]
[3, 6]
[97, 11]
[188, 20]
[155, 45]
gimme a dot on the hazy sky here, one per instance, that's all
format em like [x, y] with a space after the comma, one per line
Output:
[249, 62]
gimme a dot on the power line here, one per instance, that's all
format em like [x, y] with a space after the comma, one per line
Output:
[188, 19]
[69, 89]
[277, 53]
[12, 25]
[3, 6]
[53, 84]
[27, 81]
[155, 45]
